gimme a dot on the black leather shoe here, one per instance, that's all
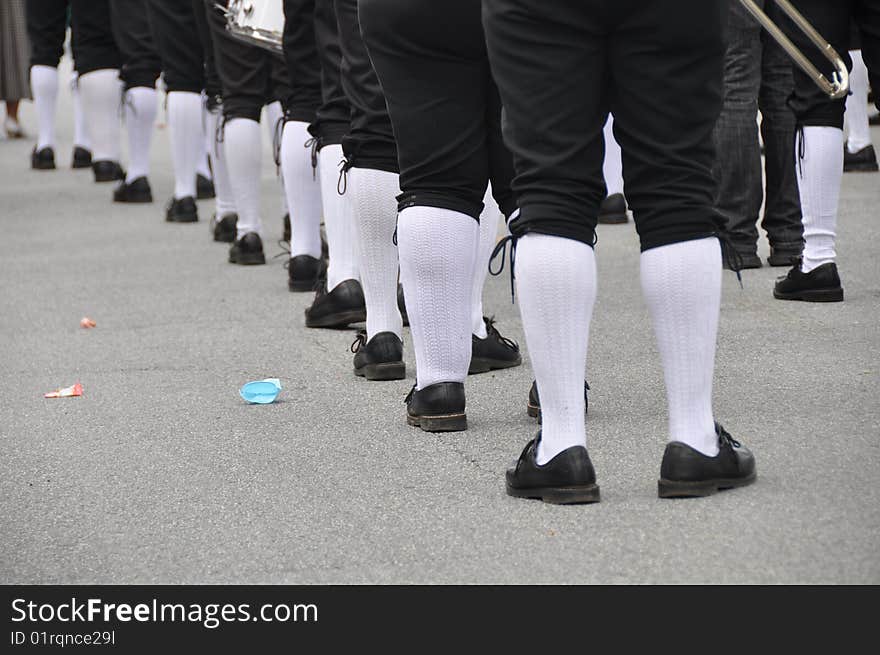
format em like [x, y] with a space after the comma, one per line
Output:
[337, 308]
[247, 251]
[138, 190]
[493, 352]
[401, 305]
[224, 230]
[437, 408]
[286, 234]
[686, 472]
[533, 409]
[567, 479]
[204, 188]
[82, 158]
[865, 160]
[747, 259]
[182, 210]
[107, 171]
[303, 272]
[380, 358]
[43, 159]
[874, 119]
[613, 209]
[822, 284]
[784, 255]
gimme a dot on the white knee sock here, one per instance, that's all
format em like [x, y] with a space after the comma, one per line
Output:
[374, 195]
[438, 250]
[80, 132]
[338, 219]
[681, 283]
[275, 113]
[303, 190]
[141, 105]
[243, 151]
[187, 144]
[488, 236]
[224, 202]
[858, 129]
[612, 166]
[203, 168]
[819, 176]
[44, 87]
[556, 291]
[101, 93]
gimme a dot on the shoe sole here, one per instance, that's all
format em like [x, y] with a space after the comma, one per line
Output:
[43, 167]
[861, 168]
[815, 295]
[82, 164]
[188, 218]
[439, 423]
[534, 411]
[383, 371]
[107, 178]
[576, 495]
[340, 320]
[249, 260]
[700, 488]
[205, 196]
[486, 364]
[134, 201]
[613, 219]
[224, 238]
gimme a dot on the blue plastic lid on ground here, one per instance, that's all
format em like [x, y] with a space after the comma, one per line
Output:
[261, 392]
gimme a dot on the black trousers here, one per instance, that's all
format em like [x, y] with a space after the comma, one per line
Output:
[561, 66]
[432, 63]
[92, 39]
[370, 140]
[833, 20]
[141, 65]
[175, 33]
[250, 76]
[333, 116]
[301, 56]
[213, 88]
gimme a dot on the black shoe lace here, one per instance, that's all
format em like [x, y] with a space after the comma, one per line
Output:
[285, 250]
[501, 249]
[731, 255]
[313, 145]
[345, 165]
[360, 340]
[493, 332]
[725, 437]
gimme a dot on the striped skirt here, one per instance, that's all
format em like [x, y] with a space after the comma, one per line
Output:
[14, 51]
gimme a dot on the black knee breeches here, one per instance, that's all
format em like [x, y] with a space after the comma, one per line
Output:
[432, 63]
[562, 66]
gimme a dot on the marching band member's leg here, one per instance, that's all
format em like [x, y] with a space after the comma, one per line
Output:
[819, 160]
[140, 70]
[98, 61]
[175, 34]
[860, 154]
[46, 27]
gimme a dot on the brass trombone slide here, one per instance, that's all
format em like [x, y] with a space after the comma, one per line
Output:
[838, 86]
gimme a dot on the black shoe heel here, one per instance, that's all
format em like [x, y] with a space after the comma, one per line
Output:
[383, 371]
[812, 295]
[448, 423]
[338, 320]
[559, 495]
[698, 489]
